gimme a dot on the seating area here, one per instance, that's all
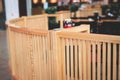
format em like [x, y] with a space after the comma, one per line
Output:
[103, 26]
[37, 53]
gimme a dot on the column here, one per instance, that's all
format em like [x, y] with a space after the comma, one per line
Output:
[29, 7]
[11, 9]
[45, 5]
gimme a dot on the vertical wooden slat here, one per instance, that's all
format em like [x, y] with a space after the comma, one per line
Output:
[88, 66]
[84, 60]
[56, 56]
[119, 64]
[21, 56]
[25, 42]
[59, 58]
[28, 56]
[16, 55]
[16, 60]
[35, 65]
[12, 53]
[48, 56]
[76, 62]
[93, 61]
[37, 53]
[21, 65]
[31, 57]
[114, 61]
[34, 57]
[67, 52]
[63, 54]
[24, 55]
[71, 50]
[104, 62]
[40, 58]
[80, 61]
[98, 61]
[44, 58]
[52, 55]
[54, 62]
[109, 62]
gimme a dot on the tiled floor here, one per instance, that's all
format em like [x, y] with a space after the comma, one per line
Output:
[4, 57]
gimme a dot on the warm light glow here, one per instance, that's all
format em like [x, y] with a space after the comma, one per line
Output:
[53, 1]
[35, 1]
[77, 0]
[43, 1]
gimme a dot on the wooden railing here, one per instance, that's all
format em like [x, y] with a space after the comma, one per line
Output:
[65, 54]
[40, 21]
[88, 56]
[84, 28]
[29, 54]
[59, 55]
[87, 12]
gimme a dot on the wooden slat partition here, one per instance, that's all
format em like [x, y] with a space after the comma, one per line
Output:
[39, 21]
[18, 22]
[66, 14]
[88, 12]
[29, 54]
[84, 28]
[65, 54]
[95, 61]
[59, 55]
